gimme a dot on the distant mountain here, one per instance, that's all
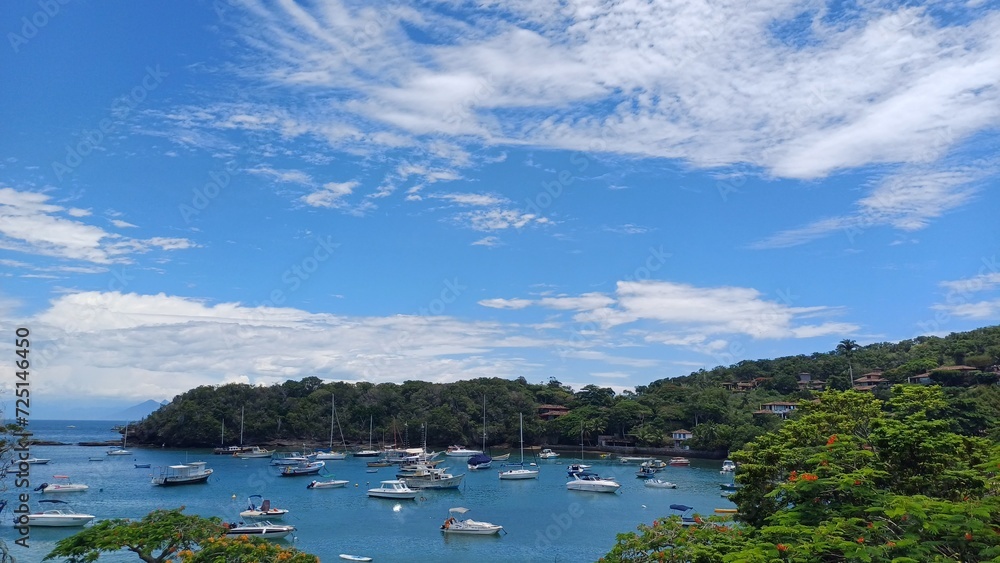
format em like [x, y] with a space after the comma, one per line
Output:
[137, 412]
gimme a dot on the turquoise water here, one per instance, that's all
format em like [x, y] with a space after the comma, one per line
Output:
[544, 521]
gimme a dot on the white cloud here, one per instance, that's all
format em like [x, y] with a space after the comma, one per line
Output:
[499, 219]
[29, 224]
[689, 316]
[480, 200]
[960, 300]
[907, 200]
[490, 241]
[283, 176]
[330, 195]
[122, 224]
[506, 303]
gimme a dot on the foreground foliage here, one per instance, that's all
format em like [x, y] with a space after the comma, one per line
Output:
[852, 479]
[169, 535]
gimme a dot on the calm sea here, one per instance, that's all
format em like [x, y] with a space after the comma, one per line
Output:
[544, 521]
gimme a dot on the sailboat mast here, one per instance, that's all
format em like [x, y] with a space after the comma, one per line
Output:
[241, 425]
[484, 423]
[223, 432]
[333, 405]
[522, 436]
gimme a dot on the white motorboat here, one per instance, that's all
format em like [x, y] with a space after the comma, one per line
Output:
[61, 486]
[307, 468]
[36, 461]
[591, 482]
[264, 511]
[331, 455]
[518, 471]
[660, 484]
[679, 462]
[461, 451]
[453, 525]
[728, 466]
[185, 474]
[332, 484]
[350, 557]
[576, 468]
[255, 452]
[393, 489]
[58, 517]
[548, 454]
[264, 530]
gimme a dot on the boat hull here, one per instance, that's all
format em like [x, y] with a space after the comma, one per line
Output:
[518, 474]
[175, 481]
[326, 484]
[59, 520]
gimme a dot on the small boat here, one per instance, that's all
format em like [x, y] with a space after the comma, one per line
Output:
[331, 455]
[660, 484]
[503, 457]
[479, 462]
[468, 527]
[679, 462]
[184, 474]
[142, 465]
[372, 470]
[686, 518]
[548, 454]
[393, 489]
[576, 468]
[728, 466]
[461, 451]
[307, 468]
[350, 557]
[591, 482]
[433, 479]
[518, 471]
[633, 459]
[61, 486]
[97, 459]
[254, 452]
[645, 473]
[728, 486]
[288, 458]
[264, 530]
[36, 461]
[58, 517]
[655, 464]
[379, 463]
[332, 484]
[121, 450]
[263, 512]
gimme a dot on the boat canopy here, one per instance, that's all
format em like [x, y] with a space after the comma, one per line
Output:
[479, 459]
[55, 501]
[681, 507]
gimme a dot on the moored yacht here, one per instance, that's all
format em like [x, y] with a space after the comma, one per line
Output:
[591, 482]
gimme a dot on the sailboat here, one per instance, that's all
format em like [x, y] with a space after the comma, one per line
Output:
[369, 452]
[481, 460]
[250, 452]
[121, 450]
[519, 472]
[333, 416]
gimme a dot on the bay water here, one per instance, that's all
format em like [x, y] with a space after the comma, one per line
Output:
[543, 521]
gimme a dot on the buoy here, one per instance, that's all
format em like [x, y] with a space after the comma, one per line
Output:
[234, 497]
[355, 485]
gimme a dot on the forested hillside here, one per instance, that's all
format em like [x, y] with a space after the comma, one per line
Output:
[453, 413]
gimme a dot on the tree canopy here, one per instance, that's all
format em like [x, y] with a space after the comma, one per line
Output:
[852, 478]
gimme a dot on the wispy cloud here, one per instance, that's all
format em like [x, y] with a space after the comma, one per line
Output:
[908, 201]
[963, 299]
[31, 225]
[331, 195]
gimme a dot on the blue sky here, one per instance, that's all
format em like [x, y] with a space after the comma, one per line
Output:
[611, 193]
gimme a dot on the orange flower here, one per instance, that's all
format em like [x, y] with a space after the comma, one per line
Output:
[890, 544]
[856, 482]
[831, 439]
[782, 547]
[824, 463]
[968, 536]
[794, 475]
[870, 525]
[861, 540]
[809, 476]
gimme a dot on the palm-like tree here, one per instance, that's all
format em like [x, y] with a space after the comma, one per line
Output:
[847, 348]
